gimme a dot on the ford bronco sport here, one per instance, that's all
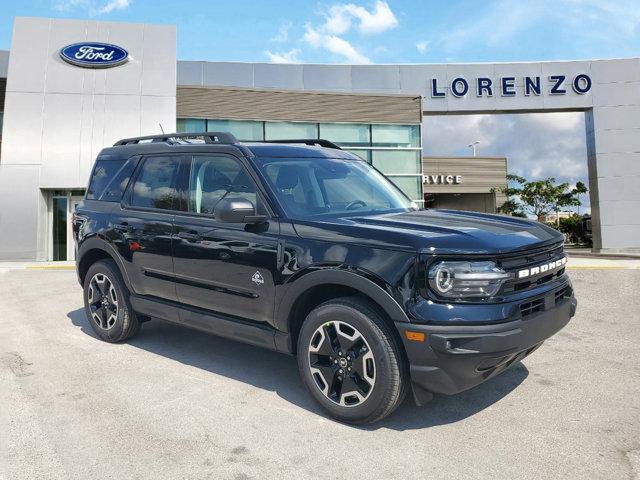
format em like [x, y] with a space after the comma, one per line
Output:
[301, 247]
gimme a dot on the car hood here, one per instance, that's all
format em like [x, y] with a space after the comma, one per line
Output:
[435, 231]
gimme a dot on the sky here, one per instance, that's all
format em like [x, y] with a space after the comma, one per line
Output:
[399, 31]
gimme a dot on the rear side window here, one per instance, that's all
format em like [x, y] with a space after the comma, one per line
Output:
[109, 179]
[155, 185]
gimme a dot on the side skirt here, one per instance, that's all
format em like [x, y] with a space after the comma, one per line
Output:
[216, 324]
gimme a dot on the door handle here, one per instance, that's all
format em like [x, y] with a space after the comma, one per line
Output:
[280, 255]
[189, 236]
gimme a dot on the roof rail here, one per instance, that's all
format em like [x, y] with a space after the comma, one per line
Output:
[208, 137]
[308, 141]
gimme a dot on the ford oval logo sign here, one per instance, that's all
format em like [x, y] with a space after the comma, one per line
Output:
[94, 55]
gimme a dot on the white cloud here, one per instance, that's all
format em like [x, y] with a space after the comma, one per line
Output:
[340, 17]
[558, 122]
[284, 57]
[92, 7]
[422, 46]
[334, 44]
[62, 5]
[114, 5]
[339, 21]
[283, 33]
[342, 47]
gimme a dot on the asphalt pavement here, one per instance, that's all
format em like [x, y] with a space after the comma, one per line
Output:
[178, 404]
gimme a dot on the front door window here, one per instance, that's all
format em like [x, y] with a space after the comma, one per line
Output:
[214, 178]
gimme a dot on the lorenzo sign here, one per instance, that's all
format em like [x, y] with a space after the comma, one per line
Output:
[94, 55]
[506, 86]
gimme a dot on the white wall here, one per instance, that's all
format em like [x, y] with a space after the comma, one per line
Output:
[58, 116]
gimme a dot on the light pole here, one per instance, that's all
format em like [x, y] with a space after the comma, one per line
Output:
[473, 147]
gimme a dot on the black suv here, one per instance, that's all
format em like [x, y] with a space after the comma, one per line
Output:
[301, 247]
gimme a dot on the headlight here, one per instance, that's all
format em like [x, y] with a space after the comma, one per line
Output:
[466, 279]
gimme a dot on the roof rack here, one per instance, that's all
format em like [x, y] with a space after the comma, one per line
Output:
[308, 141]
[208, 137]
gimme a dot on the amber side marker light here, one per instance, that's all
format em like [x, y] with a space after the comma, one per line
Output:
[414, 336]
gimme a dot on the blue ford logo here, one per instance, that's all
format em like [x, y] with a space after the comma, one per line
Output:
[94, 55]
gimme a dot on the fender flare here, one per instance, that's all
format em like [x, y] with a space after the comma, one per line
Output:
[99, 244]
[336, 277]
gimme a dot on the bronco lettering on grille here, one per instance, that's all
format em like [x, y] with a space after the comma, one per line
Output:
[544, 268]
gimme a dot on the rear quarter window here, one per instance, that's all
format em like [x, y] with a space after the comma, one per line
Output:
[109, 179]
[154, 186]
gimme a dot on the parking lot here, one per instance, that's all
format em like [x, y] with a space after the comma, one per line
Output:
[174, 403]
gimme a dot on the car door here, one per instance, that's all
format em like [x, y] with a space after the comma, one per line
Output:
[227, 268]
[144, 226]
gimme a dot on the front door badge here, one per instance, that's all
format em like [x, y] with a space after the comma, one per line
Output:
[257, 278]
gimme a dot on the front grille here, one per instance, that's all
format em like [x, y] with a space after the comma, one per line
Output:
[561, 294]
[527, 308]
[550, 300]
[529, 259]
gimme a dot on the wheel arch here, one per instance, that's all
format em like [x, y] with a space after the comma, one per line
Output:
[315, 288]
[93, 250]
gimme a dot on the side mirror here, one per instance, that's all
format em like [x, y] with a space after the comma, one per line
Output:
[237, 210]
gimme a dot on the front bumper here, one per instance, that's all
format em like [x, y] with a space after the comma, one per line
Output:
[454, 358]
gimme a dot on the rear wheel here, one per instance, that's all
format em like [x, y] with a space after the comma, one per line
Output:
[106, 303]
[350, 361]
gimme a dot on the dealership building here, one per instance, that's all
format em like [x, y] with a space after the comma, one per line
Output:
[68, 88]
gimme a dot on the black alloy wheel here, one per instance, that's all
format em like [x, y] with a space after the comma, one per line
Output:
[351, 360]
[342, 364]
[106, 303]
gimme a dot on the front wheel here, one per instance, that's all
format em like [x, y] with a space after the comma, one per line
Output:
[350, 361]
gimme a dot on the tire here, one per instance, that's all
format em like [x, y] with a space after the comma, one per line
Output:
[374, 371]
[106, 303]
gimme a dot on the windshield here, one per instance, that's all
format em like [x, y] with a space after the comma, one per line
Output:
[311, 187]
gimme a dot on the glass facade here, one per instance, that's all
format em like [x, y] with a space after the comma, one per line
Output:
[244, 131]
[284, 130]
[393, 149]
[348, 134]
[396, 161]
[191, 125]
[406, 136]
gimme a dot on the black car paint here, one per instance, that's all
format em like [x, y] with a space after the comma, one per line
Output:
[191, 269]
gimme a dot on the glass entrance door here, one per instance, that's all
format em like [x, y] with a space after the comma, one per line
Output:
[62, 205]
[59, 228]
[73, 201]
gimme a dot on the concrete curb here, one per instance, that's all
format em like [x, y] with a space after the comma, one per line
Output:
[50, 267]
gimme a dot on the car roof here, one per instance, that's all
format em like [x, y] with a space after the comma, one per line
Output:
[295, 150]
